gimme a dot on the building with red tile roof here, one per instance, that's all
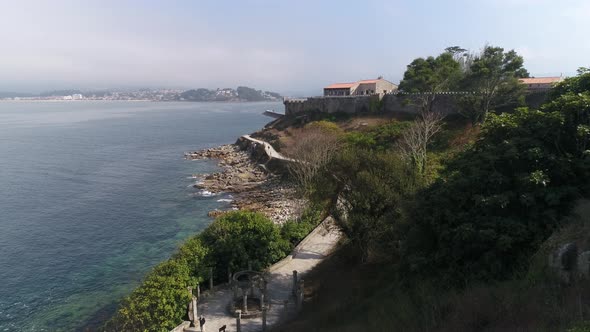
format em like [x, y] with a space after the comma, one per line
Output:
[540, 83]
[360, 88]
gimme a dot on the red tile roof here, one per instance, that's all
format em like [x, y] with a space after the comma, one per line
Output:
[540, 80]
[340, 85]
[352, 84]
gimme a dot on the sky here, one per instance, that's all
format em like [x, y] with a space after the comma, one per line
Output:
[292, 47]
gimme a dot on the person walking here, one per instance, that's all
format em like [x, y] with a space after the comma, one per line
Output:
[202, 323]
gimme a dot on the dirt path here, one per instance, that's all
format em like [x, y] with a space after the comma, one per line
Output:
[311, 251]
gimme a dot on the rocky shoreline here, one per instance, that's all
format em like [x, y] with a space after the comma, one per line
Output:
[252, 186]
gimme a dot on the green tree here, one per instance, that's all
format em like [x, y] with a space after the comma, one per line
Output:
[371, 189]
[572, 85]
[430, 76]
[236, 238]
[159, 304]
[493, 79]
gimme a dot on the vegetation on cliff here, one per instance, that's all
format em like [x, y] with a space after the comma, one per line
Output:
[464, 234]
[232, 241]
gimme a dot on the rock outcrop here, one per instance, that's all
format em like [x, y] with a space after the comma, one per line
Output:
[248, 179]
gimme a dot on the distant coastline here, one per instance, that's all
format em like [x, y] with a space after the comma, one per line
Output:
[129, 100]
[240, 94]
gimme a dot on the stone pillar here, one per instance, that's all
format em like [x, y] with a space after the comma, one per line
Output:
[198, 291]
[195, 310]
[261, 301]
[211, 278]
[228, 275]
[300, 293]
[238, 321]
[294, 282]
[245, 304]
[263, 319]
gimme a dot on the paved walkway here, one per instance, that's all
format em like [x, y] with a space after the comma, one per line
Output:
[311, 251]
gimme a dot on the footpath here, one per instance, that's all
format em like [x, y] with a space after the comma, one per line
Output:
[213, 305]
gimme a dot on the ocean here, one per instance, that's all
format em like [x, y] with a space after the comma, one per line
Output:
[94, 194]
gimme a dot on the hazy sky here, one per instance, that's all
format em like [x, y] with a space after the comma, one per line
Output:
[293, 47]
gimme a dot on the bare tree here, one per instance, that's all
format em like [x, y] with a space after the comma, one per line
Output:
[313, 149]
[414, 142]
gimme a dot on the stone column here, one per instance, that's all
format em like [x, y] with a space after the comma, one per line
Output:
[211, 278]
[198, 291]
[294, 282]
[228, 275]
[300, 293]
[262, 301]
[263, 319]
[238, 321]
[245, 304]
[195, 310]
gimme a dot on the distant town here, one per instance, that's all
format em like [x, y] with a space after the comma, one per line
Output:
[242, 93]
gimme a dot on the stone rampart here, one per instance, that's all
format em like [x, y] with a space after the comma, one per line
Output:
[445, 103]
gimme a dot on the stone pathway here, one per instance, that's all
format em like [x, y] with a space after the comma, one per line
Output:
[311, 251]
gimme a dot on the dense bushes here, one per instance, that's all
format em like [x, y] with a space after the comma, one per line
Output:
[295, 230]
[368, 190]
[232, 240]
[498, 201]
[239, 238]
[490, 205]
[379, 138]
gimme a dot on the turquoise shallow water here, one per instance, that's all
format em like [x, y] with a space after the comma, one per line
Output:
[94, 194]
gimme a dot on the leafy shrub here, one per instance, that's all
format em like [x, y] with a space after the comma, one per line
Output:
[232, 240]
[499, 200]
[379, 138]
[325, 126]
[236, 238]
[295, 230]
[372, 188]
[159, 303]
[361, 140]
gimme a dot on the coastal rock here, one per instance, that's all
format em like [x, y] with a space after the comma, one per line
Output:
[254, 188]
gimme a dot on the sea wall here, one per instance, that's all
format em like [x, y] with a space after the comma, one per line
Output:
[445, 103]
[264, 154]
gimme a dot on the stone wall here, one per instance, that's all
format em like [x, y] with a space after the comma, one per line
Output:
[259, 153]
[445, 103]
[345, 104]
[363, 104]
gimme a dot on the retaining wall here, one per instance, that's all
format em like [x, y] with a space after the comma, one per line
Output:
[445, 103]
[259, 153]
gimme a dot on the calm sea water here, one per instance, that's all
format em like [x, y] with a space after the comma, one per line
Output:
[94, 194]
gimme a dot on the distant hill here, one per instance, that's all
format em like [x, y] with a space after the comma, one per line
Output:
[8, 94]
[242, 93]
[60, 93]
